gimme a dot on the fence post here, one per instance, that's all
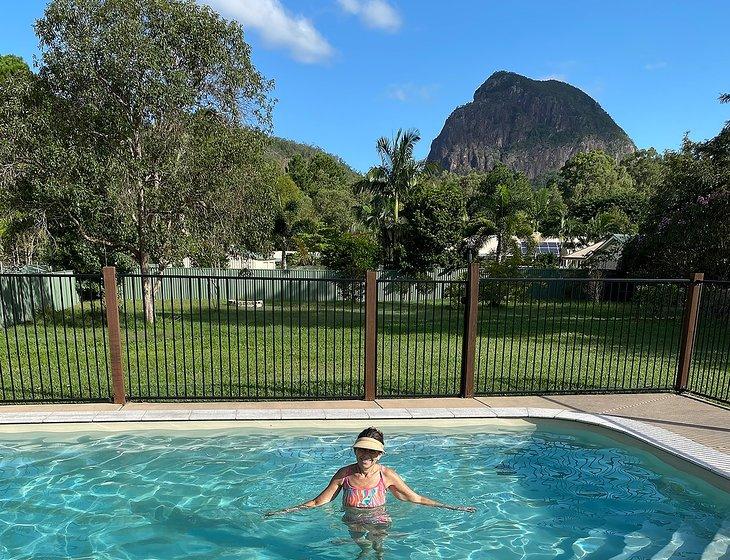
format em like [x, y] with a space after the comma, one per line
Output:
[115, 337]
[371, 307]
[468, 342]
[691, 308]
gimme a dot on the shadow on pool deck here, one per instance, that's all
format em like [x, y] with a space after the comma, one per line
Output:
[695, 419]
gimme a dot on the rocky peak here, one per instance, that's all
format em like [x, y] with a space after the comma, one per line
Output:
[533, 126]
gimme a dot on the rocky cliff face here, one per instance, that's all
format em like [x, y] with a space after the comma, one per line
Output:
[532, 126]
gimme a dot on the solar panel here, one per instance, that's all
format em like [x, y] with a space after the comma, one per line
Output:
[543, 247]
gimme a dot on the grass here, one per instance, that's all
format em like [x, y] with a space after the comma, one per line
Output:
[285, 350]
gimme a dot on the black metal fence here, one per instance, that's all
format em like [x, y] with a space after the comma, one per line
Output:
[53, 343]
[420, 326]
[578, 335]
[255, 337]
[262, 337]
[709, 373]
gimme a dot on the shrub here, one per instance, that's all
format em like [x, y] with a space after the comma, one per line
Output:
[351, 255]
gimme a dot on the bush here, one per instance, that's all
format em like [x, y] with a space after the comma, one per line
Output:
[351, 255]
[659, 300]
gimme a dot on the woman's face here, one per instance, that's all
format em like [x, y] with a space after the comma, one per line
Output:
[366, 458]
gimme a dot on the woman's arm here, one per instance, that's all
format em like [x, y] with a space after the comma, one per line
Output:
[404, 493]
[326, 496]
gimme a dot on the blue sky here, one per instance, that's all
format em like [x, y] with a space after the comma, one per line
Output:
[349, 71]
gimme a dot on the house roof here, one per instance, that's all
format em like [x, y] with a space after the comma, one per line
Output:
[591, 250]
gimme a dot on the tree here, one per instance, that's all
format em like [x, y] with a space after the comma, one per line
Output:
[10, 65]
[294, 214]
[470, 182]
[325, 180]
[352, 254]
[600, 226]
[229, 175]
[547, 212]
[687, 229]
[389, 182]
[321, 171]
[147, 83]
[500, 207]
[433, 220]
[23, 232]
[591, 175]
[328, 182]
[646, 169]
[593, 183]
[398, 171]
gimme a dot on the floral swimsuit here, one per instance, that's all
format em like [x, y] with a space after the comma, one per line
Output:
[363, 497]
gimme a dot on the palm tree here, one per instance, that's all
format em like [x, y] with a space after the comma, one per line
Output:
[500, 207]
[390, 181]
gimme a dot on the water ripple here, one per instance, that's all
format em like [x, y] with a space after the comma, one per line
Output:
[540, 495]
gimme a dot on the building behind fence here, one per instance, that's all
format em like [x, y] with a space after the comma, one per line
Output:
[257, 335]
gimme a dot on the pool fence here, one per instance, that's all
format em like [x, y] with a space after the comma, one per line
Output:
[269, 335]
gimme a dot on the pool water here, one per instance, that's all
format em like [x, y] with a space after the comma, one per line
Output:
[541, 493]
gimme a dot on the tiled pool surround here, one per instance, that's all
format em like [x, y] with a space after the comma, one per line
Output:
[655, 437]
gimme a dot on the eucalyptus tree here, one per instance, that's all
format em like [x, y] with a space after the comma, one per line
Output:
[389, 182]
[165, 98]
[22, 231]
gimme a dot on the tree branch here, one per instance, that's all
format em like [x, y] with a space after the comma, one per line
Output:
[101, 240]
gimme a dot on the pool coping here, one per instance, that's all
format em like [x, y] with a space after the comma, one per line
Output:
[674, 444]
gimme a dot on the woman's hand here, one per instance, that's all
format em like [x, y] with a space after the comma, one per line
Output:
[403, 492]
[326, 496]
[468, 509]
[283, 511]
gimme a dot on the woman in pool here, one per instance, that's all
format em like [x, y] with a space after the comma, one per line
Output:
[365, 484]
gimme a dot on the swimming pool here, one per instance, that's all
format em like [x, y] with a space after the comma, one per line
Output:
[542, 490]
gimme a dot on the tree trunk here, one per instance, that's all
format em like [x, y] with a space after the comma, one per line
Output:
[498, 252]
[148, 289]
[283, 257]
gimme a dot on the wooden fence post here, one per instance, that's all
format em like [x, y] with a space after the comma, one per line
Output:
[691, 309]
[114, 334]
[371, 307]
[469, 339]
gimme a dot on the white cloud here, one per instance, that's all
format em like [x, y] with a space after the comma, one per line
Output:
[350, 6]
[377, 14]
[411, 92]
[398, 92]
[278, 27]
[655, 66]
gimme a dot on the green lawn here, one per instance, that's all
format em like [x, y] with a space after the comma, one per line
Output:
[288, 351]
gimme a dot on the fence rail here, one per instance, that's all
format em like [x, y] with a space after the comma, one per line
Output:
[273, 336]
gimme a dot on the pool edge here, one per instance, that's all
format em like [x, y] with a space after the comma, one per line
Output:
[675, 445]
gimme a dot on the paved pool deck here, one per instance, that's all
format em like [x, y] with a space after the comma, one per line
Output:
[701, 422]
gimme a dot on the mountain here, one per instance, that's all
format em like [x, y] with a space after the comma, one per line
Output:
[533, 126]
[282, 150]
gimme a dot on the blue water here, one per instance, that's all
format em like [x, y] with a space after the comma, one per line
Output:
[549, 493]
